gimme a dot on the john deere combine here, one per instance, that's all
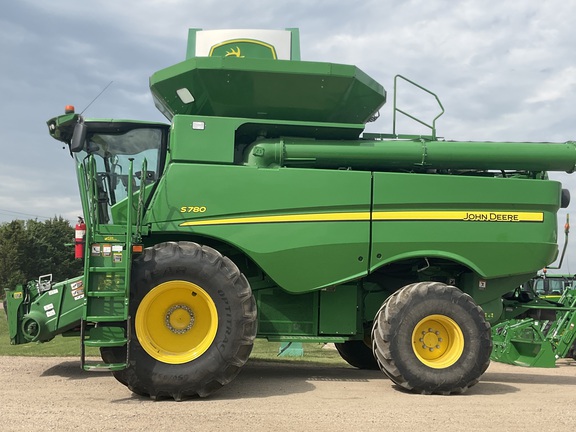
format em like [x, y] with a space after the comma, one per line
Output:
[263, 210]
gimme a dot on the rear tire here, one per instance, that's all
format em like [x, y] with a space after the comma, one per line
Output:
[356, 353]
[193, 322]
[431, 338]
[571, 352]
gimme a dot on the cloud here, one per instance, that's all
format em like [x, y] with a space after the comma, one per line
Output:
[504, 71]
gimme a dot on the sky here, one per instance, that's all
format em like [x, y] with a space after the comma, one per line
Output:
[504, 71]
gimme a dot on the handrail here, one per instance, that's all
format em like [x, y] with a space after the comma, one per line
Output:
[396, 109]
[140, 210]
[93, 187]
[89, 193]
[82, 183]
[566, 233]
[130, 204]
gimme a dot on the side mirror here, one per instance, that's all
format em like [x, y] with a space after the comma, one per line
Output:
[78, 137]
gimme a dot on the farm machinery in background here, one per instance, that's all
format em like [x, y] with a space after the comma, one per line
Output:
[546, 329]
[551, 286]
[264, 210]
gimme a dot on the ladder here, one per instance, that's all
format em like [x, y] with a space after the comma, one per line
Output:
[106, 320]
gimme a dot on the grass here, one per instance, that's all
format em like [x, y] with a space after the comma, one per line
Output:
[313, 353]
[57, 347]
[70, 347]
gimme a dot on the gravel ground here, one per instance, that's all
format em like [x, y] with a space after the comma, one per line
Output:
[53, 394]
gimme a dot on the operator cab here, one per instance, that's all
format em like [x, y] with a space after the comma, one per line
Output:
[113, 144]
[552, 285]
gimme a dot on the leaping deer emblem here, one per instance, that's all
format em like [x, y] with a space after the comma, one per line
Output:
[234, 53]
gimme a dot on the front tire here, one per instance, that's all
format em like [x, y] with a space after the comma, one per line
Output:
[432, 338]
[194, 322]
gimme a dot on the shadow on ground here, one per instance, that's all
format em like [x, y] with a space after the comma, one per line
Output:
[73, 371]
[263, 379]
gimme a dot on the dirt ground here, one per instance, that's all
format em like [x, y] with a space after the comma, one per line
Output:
[49, 394]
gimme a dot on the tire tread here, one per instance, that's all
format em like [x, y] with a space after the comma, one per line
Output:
[400, 303]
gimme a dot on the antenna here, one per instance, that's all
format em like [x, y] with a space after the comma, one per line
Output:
[97, 96]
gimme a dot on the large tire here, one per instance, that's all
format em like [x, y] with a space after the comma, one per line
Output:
[356, 353]
[432, 338]
[114, 355]
[193, 322]
[571, 352]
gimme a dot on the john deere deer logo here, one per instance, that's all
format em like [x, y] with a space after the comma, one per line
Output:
[243, 48]
[234, 53]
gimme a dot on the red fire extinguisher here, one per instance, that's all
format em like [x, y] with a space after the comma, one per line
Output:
[79, 236]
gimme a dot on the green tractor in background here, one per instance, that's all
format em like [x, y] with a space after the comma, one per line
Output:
[264, 210]
[552, 286]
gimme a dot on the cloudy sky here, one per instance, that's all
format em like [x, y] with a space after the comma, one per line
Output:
[504, 71]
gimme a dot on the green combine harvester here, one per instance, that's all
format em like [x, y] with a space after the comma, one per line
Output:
[264, 210]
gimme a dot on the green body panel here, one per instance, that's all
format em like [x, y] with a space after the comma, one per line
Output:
[211, 139]
[268, 215]
[280, 313]
[338, 311]
[300, 255]
[470, 220]
[283, 314]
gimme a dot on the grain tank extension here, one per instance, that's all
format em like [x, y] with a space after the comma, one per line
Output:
[264, 210]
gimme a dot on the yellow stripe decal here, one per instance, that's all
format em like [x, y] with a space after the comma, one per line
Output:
[469, 216]
[473, 216]
[312, 217]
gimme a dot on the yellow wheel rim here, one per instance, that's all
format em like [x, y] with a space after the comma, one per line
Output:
[438, 341]
[176, 322]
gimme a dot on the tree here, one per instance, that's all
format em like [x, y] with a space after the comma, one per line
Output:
[13, 240]
[51, 253]
[32, 248]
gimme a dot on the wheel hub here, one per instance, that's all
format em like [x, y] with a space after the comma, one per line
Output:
[179, 319]
[431, 339]
[437, 341]
[176, 322]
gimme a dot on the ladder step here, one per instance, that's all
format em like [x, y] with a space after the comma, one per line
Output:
[103, 326]
[105, 342]
[104, 367]
[106, 293]
[105, 318]
[107, 269]
[105, 331]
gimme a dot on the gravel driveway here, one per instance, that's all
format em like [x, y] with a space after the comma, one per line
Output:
[53, 394]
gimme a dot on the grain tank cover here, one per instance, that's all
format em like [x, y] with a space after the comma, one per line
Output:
[245, 77]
